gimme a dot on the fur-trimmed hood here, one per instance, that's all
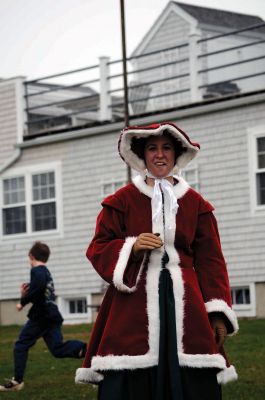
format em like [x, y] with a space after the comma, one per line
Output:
[137, 163]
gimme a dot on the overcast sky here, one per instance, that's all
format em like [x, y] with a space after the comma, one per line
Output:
[42, 37]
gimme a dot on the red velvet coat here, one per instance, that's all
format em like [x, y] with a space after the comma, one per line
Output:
[126, 332]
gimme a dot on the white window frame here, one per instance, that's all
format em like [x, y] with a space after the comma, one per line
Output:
[77, 318]
[246, 310]
[27, 173]
[253, 135]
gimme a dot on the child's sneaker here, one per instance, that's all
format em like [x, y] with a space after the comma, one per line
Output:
[11, 385]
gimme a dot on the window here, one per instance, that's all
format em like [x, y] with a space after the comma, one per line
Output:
[43, 204]
[256, 143]
[260, 175]
[240, 295]
[30, 201]
[77, 306]
[14, 210]
[191, 175]
[112, 186]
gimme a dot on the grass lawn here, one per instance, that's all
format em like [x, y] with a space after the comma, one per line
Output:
[48, 378]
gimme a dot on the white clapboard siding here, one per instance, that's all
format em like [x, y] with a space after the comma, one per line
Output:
[89, 161]
[8, 120]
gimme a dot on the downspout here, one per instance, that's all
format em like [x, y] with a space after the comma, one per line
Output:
[16, 155]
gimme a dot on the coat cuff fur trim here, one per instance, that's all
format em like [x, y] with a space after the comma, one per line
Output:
[227, 375]
[87, 375]
[216, 305]
[120, 268]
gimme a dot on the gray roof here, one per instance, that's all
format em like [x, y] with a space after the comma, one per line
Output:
[216, 17]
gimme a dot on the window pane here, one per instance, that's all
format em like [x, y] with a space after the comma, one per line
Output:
[43, 217]
[78, 306]
[261, 144]
[261, 152]
[44, 193]
[72, 307]
[43, 186]
[6, 185]
[247, 296]
[35, 180]
[14, 220]
[14, 190]
[7, 198]
[261, 188]
[239, 296]
[51, 178]
[261, 160]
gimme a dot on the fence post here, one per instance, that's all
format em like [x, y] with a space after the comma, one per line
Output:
[195, 94]
[105, 111]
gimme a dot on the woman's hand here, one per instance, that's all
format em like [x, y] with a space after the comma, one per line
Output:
[219, 329]
[146, 241]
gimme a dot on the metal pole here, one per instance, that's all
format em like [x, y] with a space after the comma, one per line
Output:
[125, 85]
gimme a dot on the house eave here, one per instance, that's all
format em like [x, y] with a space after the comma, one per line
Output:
[188, 111]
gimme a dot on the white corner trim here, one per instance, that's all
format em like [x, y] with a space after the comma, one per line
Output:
[217, 305]
[20, 107]
[87, 375]
[121, 265]
[227, 375]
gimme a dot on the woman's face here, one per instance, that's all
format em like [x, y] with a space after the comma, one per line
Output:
[159, 156]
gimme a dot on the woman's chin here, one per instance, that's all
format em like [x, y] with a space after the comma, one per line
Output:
[160, 173]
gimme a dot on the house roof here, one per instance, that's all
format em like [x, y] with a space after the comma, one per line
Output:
[216, 17]
[203, 15]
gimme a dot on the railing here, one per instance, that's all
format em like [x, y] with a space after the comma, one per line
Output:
[198, 70]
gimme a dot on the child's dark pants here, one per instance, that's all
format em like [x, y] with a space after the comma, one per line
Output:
[52, 335]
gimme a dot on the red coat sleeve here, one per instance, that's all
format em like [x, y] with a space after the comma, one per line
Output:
[110, 251]
[210, 266]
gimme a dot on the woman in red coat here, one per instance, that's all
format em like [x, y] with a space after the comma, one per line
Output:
[161, 327]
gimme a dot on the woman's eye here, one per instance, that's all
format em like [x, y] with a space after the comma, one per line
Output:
[151, 148]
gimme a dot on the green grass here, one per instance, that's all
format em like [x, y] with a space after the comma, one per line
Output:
[48, 378]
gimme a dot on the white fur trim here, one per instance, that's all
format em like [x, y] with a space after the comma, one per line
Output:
[202, 360]
[179, 189]
[121, 265]
[227, 375]
[147, 360]
[137, 163]
[112, 362]
[87, 375]
[217, 305]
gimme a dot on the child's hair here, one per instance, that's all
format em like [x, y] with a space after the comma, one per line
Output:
[40, 251]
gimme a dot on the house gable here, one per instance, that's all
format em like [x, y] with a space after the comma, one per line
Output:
[172, 19]
[182, 19]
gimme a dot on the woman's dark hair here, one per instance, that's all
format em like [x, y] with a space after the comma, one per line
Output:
[138, 145]
[40, 251]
